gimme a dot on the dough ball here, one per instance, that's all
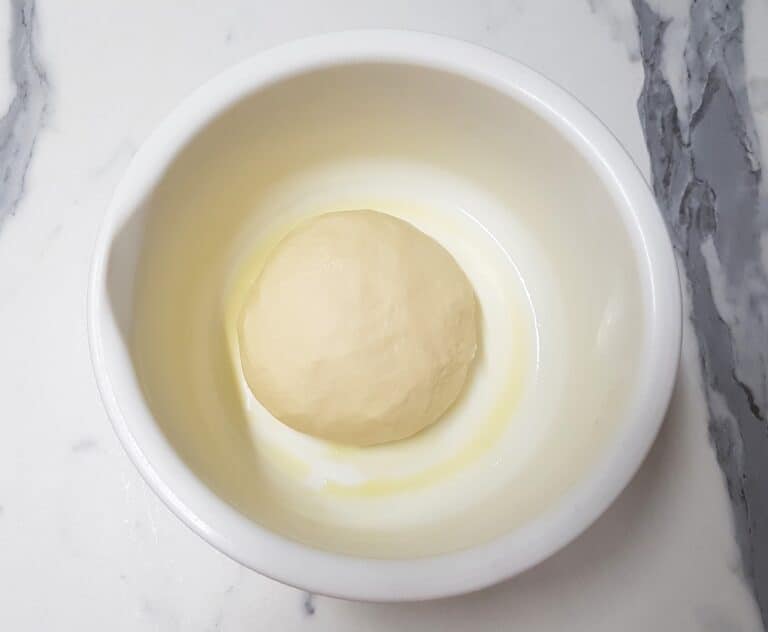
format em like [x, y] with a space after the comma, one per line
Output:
[360, 329]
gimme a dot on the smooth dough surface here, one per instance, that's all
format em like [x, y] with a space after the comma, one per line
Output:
[360, 329]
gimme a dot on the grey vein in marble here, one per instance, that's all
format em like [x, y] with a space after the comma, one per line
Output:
[622, 30]
[20, 125]
[706, 171]
[84, 445]
[309, 604]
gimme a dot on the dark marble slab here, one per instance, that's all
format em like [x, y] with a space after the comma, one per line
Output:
[706, 171]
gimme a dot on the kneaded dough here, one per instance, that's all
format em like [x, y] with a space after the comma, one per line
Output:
[360, 329]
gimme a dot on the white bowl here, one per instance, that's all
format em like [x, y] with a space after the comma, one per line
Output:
[561, 150]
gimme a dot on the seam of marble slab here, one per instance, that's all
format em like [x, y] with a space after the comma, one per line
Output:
[706, 176]
[21, 124]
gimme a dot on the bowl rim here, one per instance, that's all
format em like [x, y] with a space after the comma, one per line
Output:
[421, 578]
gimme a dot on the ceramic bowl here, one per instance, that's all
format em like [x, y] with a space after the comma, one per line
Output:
[606, 310]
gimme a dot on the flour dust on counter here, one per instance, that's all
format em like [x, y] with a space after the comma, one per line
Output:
[706, 174]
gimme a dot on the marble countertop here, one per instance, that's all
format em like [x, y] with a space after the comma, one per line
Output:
[84, 544]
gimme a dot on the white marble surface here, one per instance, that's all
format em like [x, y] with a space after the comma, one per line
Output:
[84, 544]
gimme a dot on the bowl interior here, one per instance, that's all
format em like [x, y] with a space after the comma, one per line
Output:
[316, 139]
